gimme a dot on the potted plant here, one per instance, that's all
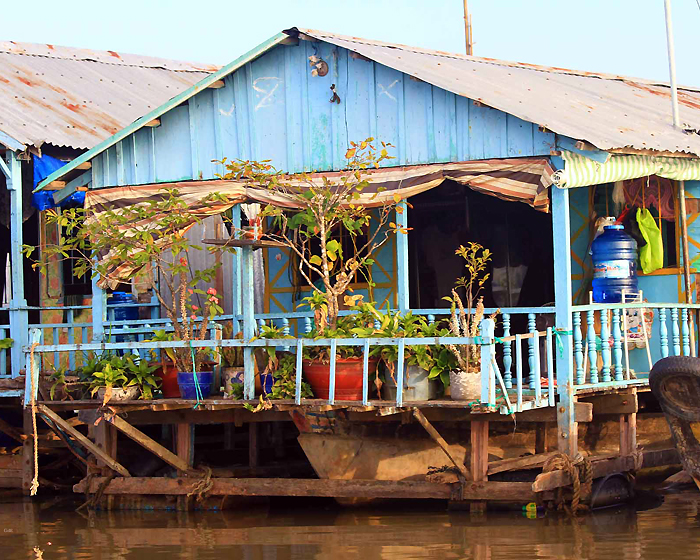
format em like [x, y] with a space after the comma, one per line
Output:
[231, 362]
[118, 242]
[319, 212]
[59, 386]
[164, 362]
[110, 382]
[465, 379]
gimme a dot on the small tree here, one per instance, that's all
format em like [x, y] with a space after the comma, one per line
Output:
[462, 322]
[322, 209]
[117, 243]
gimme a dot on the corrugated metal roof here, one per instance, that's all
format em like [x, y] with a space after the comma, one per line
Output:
[79, 97]
[609, 111]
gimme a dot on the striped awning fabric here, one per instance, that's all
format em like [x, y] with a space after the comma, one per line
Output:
[520, 179]
[580, 171]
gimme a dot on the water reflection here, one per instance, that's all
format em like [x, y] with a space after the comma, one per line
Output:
[670, 531]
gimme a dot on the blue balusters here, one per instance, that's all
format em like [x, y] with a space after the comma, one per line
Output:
[663, 333]
[578, 349]
[531, 346]
[261, 324]
[298, 371]
[592, 353]
[605, 344]
[307, 325]
[519, 372]
[285, 330]
[686, 332]
[676, 333]
[507, 353]
[431, 319]
[617, 346]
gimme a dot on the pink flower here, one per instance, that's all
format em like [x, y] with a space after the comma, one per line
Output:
[190, 290]
[193, 316]
[183, 261]
[211, 291]
[214, 299]
[195, 308]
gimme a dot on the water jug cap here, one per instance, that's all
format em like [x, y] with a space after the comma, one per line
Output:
[614, 227]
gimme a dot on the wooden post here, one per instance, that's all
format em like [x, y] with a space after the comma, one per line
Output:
[479, 458]
[27, 452]
[437, 438]
[185, 444]
[253, 445]
[229, 436]
[566, 419]
[628, 433]
[106, 440]
[402, 293]
[541, 443]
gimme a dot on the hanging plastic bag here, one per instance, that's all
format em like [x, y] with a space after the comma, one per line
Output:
[651, 256]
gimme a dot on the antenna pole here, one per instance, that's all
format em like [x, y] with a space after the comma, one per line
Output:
[468, 29]
[671, 62]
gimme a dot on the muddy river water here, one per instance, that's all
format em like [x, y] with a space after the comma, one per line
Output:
[286, 531]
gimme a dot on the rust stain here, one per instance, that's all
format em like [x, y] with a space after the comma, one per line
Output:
[685, 98]
[51, 47]
[72, 106]
[115, 54]
[26, 82]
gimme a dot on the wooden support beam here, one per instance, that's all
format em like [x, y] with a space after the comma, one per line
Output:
[27, 452]
[147, 443]
[437, 438]
[154, 123]
[479, 458]
[541, 439]
[603, 466]
[218, 84]
[253, 445]
[55, 186]
[628, 434]
[518, 463]
[184, 434]
[84, 165]
[518, 492]
[85, 442]
[11, 431]
[614, 403]
[106, 439]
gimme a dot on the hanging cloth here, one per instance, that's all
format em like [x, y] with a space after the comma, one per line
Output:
[651, 256]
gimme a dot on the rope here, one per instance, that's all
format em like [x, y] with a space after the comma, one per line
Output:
[93, 500]
[35, 481]
[558, 333]
[201, 487]
[581, 474]
[197, 388]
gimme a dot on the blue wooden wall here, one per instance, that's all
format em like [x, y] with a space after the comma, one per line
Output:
[274, 109]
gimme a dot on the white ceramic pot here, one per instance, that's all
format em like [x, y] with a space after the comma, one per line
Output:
[465, 386]
[126, 394]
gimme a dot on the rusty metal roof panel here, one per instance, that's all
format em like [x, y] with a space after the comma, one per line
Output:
[79, 97]
[609, 111]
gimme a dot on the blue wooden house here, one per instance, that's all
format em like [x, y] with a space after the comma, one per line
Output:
[522, 158]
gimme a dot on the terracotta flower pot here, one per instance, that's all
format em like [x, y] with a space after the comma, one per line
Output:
[348, 378]
[167, 373]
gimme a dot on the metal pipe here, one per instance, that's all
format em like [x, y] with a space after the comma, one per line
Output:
[686, 260]
[671, 63]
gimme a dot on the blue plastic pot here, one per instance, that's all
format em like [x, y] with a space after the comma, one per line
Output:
[188, 388]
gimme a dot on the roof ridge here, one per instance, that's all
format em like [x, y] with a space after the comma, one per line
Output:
[318, 34]
[80, 54]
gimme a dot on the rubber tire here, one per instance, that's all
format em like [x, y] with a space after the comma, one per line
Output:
[668, 368]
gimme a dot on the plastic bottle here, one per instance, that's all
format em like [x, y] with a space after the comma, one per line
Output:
[614, 265]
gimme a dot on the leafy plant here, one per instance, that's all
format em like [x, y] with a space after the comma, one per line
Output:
[162, 336]
[464, 323]
[322, 208]
[111, 377]
[57, 379]
[231, 356]
[6, 343]
[117, 242]
[140, 373]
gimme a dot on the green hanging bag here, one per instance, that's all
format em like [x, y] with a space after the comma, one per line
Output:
[651, 256]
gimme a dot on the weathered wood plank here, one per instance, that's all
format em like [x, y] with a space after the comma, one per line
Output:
[614, 403]
[90, 446]
[441, 443]
[519, 463]
[11, 431]
[497, 491]
[147, 443]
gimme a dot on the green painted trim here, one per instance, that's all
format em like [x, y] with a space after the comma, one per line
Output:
[252, 54]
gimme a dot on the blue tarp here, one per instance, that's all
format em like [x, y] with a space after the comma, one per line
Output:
[43, 200]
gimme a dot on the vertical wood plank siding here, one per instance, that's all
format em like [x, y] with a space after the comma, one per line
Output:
[272, 108]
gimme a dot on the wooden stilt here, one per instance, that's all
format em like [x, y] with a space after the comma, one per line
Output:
[541, 443]
[80, 438]
[628, 434]
[27, 452]
[106, 439]
[184, 444]
[253, 455]
[479, 458]
[229, 437]
[146, 442]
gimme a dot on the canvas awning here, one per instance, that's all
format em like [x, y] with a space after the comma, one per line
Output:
[580, 171]
[520, 179]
